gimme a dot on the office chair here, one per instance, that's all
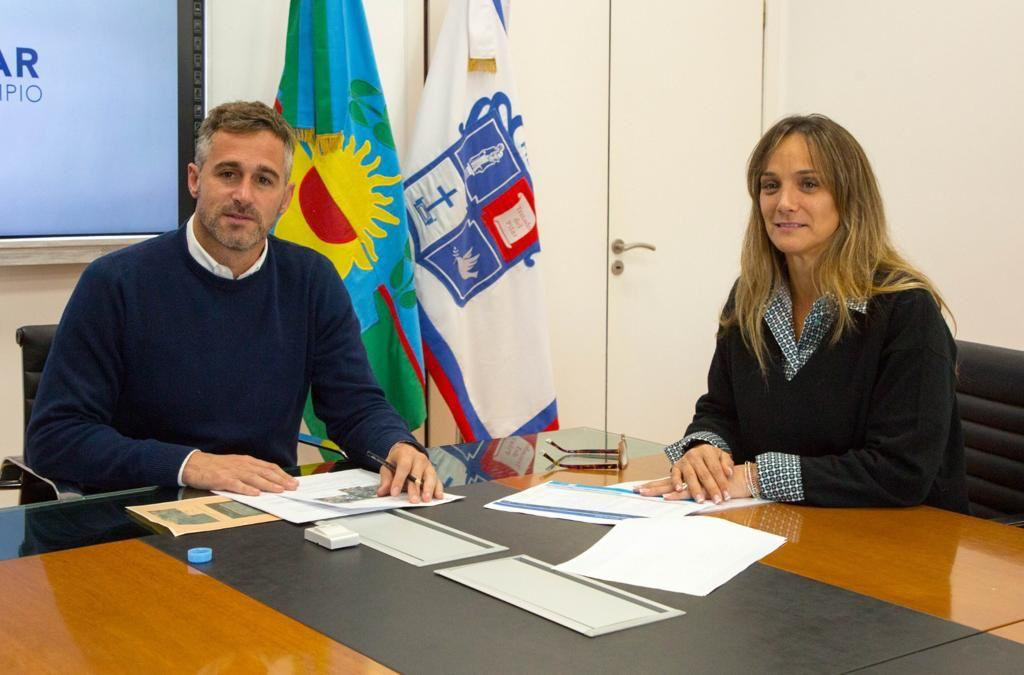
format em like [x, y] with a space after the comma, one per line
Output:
[35, 346]
[990, 394]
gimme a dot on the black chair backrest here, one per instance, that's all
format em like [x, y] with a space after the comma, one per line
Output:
[35, 346]
[990, 393]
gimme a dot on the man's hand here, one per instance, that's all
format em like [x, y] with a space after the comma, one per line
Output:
[409, 461]
[704, 472]
[237, 473]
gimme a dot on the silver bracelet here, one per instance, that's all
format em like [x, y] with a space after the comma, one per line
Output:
[755, 492]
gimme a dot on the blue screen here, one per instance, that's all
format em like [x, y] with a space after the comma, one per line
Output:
[88, 117]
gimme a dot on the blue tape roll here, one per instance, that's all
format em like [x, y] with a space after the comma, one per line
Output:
[200, 554]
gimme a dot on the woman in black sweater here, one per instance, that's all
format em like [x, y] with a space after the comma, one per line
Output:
[833, 376]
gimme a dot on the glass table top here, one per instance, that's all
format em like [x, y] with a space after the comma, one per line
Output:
[99, 518]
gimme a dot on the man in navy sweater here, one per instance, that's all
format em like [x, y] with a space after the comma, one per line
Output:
[186, 359]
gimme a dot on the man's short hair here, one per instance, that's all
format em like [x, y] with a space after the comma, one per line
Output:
[245, 117]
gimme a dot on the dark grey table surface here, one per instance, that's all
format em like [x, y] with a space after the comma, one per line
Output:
[981, 653]
[410, 619]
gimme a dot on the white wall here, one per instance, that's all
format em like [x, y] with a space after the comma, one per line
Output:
[933, 90]
[30, 294]
[560, 55]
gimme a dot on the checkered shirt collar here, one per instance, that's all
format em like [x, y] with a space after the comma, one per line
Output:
[779, 317]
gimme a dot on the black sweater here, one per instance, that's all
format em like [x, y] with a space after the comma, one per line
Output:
[873, 418]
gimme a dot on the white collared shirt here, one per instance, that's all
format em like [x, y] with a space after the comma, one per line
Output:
[206, 260]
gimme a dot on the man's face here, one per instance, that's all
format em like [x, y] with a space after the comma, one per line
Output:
[241, 190]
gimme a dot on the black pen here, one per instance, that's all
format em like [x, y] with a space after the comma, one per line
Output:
[394, 470]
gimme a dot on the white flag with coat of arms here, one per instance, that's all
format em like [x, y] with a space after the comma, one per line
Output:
[469, 197]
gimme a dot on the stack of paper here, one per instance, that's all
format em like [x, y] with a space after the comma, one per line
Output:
[330, 495]
[692, 555]
[589, 503]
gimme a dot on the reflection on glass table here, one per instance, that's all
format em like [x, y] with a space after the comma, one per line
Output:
[54, 526]
[100, 518]
[466, 463]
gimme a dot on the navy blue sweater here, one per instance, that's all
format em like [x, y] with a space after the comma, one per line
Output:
[156, 356]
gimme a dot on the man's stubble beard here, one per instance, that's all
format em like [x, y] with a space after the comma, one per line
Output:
[242, 241]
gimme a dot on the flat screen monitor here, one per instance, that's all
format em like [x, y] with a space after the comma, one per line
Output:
[99, 103]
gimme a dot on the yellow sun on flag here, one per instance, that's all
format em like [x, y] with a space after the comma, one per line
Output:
[337, 208]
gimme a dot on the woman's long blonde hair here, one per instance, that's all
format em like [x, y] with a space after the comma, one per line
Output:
[860, 260]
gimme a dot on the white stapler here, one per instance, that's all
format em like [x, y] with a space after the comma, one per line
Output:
[332, 534]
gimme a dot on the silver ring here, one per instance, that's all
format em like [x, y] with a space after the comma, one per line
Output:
[685, 487]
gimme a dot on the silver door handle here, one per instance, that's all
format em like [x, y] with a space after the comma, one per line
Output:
[619, 246]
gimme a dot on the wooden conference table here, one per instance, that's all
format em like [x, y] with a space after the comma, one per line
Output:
[80, 591]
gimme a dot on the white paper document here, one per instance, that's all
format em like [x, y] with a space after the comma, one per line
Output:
[330, 495]
[589, 503]
[708, 506]
[686, 555]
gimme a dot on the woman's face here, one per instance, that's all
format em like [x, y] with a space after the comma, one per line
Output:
[799, 213]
